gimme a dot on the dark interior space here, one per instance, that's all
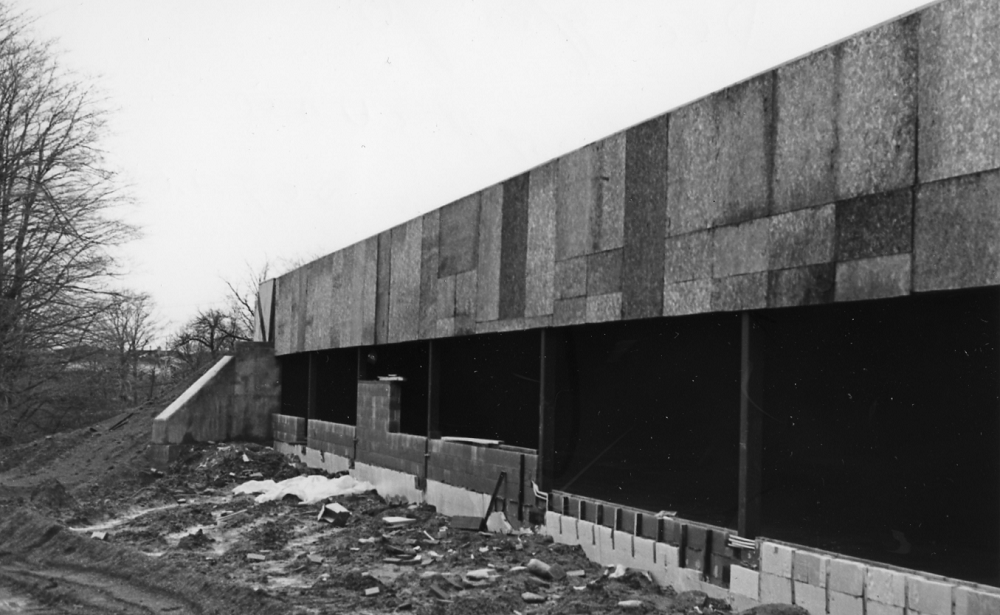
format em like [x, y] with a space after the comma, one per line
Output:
[336, 385]
[294, 384]
[408, 361]
[881, 431]
[489, 387]
[647, 414]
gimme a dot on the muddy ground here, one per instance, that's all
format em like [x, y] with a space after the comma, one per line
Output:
[87, 527]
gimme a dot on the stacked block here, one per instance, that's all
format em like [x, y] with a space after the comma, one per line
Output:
[290, 429]
[332, 438]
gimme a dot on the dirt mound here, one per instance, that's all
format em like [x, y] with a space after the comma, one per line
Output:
[37, 554]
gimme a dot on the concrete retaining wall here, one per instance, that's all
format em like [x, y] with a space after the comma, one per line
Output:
[233, 400]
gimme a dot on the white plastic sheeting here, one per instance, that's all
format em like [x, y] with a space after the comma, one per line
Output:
[309, 489]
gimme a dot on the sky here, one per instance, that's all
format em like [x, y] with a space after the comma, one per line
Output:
[277, 131]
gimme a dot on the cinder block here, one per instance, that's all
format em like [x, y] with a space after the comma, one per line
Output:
[744, 582]
[844, 604]
[552, 527]
[776, 559]
[846, 577]
[885, 586]
[811, 598]
[623, 548]
[809, 568]
[667, 556]
[972, 602]
[928, 597]
[775, 589]
[877, 608]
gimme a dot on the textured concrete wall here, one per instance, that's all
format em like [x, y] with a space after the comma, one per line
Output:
[802, 185]
[235, 399]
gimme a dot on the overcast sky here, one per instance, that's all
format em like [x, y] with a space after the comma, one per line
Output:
[278, 130]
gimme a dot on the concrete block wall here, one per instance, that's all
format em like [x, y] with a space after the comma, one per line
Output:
[334, 438]
[234, 399]
[829, 584]
[288, 429]
[802, 185]
[379, 441]
[477, 467]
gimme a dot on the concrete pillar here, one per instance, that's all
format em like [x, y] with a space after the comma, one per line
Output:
[751, 409]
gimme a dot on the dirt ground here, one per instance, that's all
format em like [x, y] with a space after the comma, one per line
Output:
[87, 527]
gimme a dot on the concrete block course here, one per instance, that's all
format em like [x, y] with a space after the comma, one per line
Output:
[811, 598]
[885, 586]
[956, 230]
[774, 588]
[846, 577]
[810, 568]
[959, 89]
[876, 120]
[804, 237]
[744, 582]
[776, 559]
[970, 601]
[874, 278]
[928, 597]
[877, 608]
[839, 603]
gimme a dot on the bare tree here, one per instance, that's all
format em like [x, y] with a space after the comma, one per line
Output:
[210, 334]
[126, 330]
[242, 301]
[55, 227]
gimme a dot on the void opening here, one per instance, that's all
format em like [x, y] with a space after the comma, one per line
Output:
[881, 433]
[407, 361]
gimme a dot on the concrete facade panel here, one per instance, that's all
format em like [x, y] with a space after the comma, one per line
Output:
[539, 292]
[404, 287]
[429, 263]
[877, 225]
[740, 249]
[886, 586]
[874, 278]
[688, 257]
[959, 89]
[514, 247]
[488, 273]
[928, 597]
[571, 278]
[604, 272]
[459, 236]
[806, 139]
[645, 218]
[604, 308]
[775, 589]
[569, 312]
[382, 287]
[720, 158]
[575, 202]
[812, 285]
[846, 577]
[957, 233]
[740, 292]
[803, 237]
[465, 294]
[811, 598]
[969, 601]
[608, 224]
[877, 115]
[683, 298]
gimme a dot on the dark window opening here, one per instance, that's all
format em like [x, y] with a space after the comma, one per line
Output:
[489, 387]
[409, 361]
[647, 415]
[294, 384]
[881, 434]
[336, 374]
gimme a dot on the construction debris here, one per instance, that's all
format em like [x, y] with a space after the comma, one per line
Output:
[334, 514]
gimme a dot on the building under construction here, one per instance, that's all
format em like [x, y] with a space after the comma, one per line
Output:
[750, 344]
